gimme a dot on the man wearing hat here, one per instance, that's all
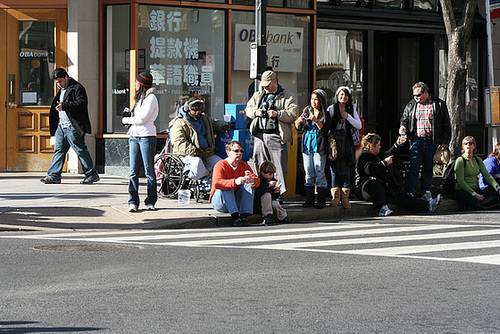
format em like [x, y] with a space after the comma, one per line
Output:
[192, 136]
[69, 122]
[272, 111]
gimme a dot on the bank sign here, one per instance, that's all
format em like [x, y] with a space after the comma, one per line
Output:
[284, 47]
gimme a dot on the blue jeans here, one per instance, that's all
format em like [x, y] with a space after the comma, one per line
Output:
[66, 138]
[142, 151]
[338, 181]
[421, 154]
[314, 167]
[230, 201]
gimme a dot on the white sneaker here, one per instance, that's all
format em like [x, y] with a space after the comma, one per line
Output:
[385, 211]
[150, 207]
[427, 196]
[433, 203]
[132, 208]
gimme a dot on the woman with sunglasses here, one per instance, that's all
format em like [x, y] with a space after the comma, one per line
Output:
[467, 191]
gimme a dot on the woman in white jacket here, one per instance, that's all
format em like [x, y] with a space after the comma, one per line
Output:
[142, 142]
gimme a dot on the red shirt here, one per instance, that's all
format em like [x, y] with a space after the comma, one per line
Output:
[224, 176]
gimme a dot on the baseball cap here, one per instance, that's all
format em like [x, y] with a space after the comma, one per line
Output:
[267, 78]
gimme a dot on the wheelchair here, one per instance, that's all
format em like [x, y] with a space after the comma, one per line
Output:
[171, 177]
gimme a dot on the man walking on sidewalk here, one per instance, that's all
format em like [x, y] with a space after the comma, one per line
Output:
[69, 122]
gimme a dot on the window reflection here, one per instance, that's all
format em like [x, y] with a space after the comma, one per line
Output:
[36, 63]
[339, 62]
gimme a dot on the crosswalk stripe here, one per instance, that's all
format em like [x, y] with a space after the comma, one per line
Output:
[195, 233]
[381, 239]
[322, 235]
[427, 248]
[485, 259]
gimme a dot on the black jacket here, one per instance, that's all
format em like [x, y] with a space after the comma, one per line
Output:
[441, 133]
[322, 140]
[75, 104]
[370, 166]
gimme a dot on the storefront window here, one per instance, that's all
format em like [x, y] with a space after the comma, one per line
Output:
[183, 49]
[288, 53]
[472, 89]
[339, 62]
[36, 63]
[117, 66]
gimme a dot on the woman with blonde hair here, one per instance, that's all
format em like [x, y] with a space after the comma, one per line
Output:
[467, 191]
[374, 172]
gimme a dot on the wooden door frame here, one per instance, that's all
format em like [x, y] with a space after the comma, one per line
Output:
[59, 16]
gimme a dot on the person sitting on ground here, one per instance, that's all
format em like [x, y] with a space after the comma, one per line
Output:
[467, 191]
[233, 185]
[266, 196]
[379, 181]
[492, 164]
[192, 136]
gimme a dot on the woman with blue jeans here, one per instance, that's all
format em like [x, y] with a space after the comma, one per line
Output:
[315, 124]
[142, 142]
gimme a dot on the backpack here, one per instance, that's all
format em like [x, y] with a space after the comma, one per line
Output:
[448, 180]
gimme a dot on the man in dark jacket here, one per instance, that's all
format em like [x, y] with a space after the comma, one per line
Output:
[69, 122]
[426, 122]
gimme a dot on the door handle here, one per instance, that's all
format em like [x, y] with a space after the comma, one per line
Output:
[12, 88]
[12, 105]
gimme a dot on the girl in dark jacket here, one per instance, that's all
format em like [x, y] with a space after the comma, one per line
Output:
[315, 124]
[373, 172]
[345, 122]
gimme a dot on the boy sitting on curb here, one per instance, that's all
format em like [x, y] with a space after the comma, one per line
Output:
[266, 196]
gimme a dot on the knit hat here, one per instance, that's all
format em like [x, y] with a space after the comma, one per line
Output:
[267, 78]
[194, 103]
[145, 79]
[322, 97]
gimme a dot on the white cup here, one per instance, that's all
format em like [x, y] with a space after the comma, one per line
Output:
[183, 196]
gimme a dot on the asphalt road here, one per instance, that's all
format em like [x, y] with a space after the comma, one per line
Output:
[437, 274]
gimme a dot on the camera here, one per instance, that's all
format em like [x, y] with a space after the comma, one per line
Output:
[126, 112]
[265, 109]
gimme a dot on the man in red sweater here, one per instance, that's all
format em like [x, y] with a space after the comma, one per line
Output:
[233, 185]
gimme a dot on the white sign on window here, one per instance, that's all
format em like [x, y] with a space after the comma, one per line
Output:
[284, 47]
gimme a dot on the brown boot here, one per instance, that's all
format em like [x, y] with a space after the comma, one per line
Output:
[345, 198]
[335, 196]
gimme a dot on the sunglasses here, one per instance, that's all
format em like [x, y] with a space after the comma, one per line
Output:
[238, 151]
[467, 144]
[417, 95]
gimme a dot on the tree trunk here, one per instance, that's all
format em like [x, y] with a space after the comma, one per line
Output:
[458, 40]
[455, 95]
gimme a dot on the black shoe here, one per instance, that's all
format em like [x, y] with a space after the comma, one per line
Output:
[286, 220]
[267, 220]
[90, 179]
[49, 180]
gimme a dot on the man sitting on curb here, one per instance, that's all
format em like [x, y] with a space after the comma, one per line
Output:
[193, 139]
[233, 185]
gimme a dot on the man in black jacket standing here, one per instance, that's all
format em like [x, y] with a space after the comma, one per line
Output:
[69, 122]
[426, 122]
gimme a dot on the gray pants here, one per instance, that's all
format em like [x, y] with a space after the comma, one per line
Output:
[268, 147]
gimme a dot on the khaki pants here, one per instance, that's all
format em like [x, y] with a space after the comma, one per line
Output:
[269, 205]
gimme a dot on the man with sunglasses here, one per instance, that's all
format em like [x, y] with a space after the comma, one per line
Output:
[233, 185]
[426, 122]
[192, 136]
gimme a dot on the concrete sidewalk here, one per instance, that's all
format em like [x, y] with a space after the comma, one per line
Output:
[28, 204]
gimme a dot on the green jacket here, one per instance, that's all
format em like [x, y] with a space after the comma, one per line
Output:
[468, 177]
[184, 139]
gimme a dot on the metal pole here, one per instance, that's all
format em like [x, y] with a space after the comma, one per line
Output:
[260, 38]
